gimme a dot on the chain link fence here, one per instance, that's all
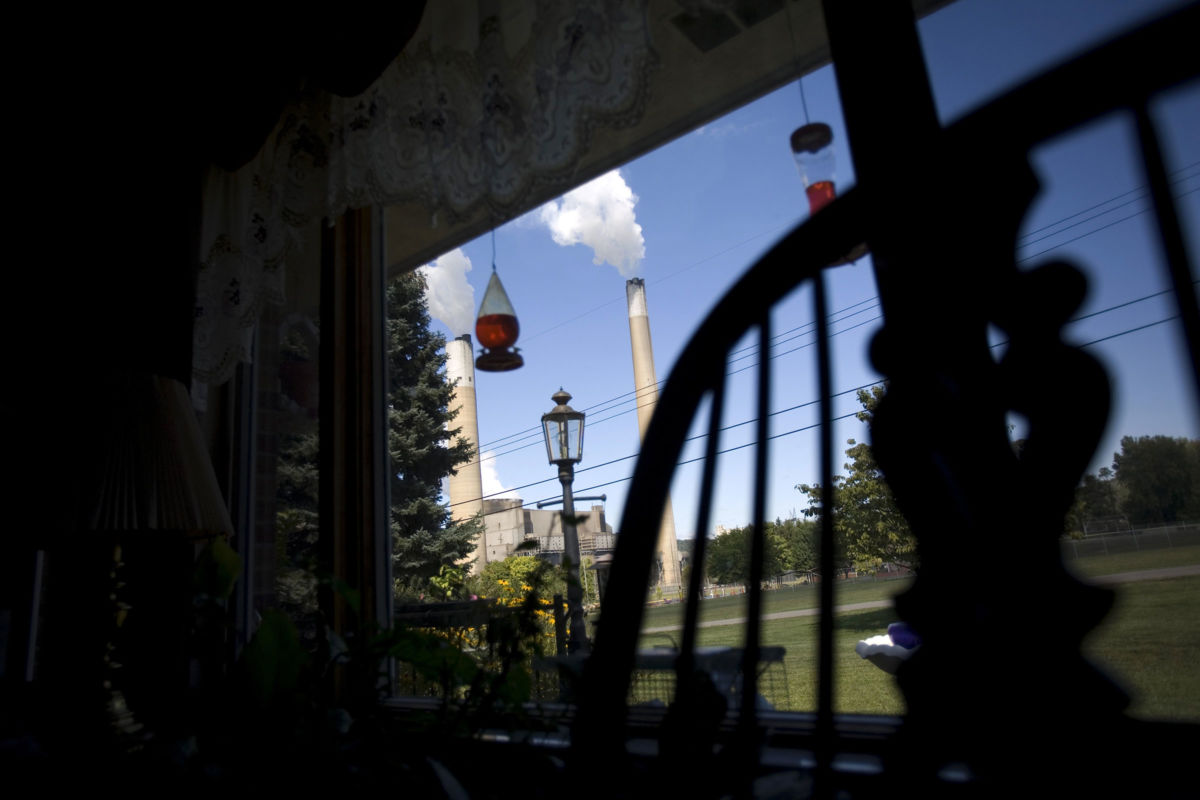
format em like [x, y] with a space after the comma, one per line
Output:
[1131, 541]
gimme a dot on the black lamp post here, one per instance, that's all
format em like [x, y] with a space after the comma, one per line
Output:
[563, 429]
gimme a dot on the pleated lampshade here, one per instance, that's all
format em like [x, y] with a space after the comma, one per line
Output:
[156, 473]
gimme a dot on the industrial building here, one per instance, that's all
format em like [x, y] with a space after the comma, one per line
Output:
[508, 525]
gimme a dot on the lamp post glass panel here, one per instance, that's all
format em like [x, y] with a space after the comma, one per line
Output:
[563, 430]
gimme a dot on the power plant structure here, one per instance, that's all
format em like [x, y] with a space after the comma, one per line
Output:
[466, 485]
[645, 384]
[509, 525]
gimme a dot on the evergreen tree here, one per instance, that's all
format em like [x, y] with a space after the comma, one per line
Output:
[422, 451]
[297, 492]
[297, 531]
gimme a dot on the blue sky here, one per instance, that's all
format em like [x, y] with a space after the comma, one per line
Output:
[691, 216]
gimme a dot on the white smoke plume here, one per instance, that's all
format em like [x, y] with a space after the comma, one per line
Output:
[450, 298]
[493, 487]
[599, 214]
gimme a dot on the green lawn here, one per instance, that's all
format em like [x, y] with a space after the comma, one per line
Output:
[776, 600]
[861, 686]
[1130, 562]
[1149, 644]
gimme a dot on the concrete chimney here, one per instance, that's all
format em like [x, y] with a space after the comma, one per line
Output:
[645, 384]
[466, 486]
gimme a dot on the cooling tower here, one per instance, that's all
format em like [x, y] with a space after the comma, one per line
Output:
[466, 486]
[645, 384]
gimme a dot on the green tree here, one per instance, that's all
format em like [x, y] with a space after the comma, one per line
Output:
[510, 577]
[1095, 503]
[728, 556]
[797, 542]
[423, 452]
[1158, 478]
[297, 531]
[297, 491]
[868, 527]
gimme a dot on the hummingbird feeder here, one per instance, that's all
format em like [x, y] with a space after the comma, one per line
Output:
[497, 329]
[812, 147]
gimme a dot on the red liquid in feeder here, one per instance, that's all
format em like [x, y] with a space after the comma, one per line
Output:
[819, 195]
[497, 330]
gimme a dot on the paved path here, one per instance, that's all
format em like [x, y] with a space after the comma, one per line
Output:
[1120, 577]
[802, 612]
[1148, 574]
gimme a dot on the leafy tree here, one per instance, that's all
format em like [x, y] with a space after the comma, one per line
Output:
[1159, 478]
[423, 452]
[587, 580]
[868, 527]
[797, 542]
[1095, 499]
[728, 556]
[510, 576]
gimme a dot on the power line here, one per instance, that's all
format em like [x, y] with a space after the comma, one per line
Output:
[807, 344]
[858, 325]
[789, 225]
[1141, 190]
[801, 429]
[608, 405]
[1101, 228]
[493, 456]
[1131, 330]
[533, 432]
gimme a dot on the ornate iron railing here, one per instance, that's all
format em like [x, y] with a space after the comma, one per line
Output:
[953, 472]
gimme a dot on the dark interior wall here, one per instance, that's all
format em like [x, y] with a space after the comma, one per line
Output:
[119, 113]
[113, 117]
[122, 113]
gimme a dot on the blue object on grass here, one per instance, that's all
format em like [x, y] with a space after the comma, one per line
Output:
[903, 636]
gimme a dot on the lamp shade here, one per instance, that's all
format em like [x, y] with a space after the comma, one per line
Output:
[563, 428]
[156, 473]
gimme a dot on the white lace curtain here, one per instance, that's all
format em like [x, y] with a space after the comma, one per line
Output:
[464, 118]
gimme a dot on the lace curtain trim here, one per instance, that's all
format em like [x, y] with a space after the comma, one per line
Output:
[449, 129]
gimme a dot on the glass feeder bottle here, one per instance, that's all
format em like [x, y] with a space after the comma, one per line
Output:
[497, 329]
[812, 147]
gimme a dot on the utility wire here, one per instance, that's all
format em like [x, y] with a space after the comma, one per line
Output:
[844, 330]
[636, 394]
[1023, 241]
[734, 448]
[1101, 228]
[1178, 176]
[537, 433]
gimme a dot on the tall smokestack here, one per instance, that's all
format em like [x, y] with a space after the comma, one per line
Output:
[645, 384]
[466, 485]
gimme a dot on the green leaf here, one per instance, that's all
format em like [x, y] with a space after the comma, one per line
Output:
[217, 569]
[274, 659]
[352, 596]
